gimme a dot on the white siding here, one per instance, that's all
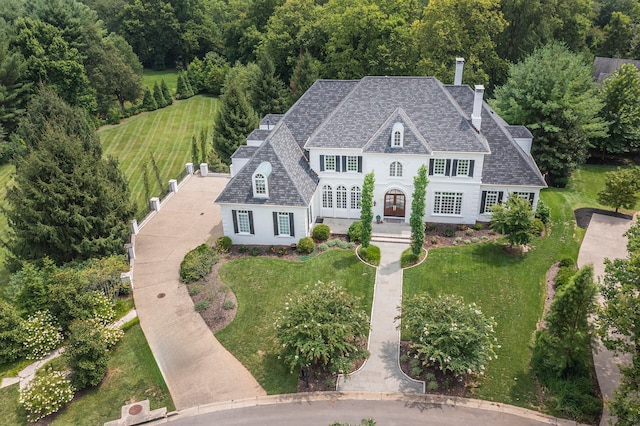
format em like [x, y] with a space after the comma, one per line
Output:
[263, 224]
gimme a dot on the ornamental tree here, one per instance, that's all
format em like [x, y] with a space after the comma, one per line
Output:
[420, 182]
[366, 212]
[322, 326]
[449, 334]
[87, 353]
[11, 337]
[513, 219]
[620, 188]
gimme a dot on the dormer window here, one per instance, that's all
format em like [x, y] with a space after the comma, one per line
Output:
[260, 180]
[397, 135]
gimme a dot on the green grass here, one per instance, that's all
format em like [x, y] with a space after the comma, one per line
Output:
[123, 306]
[169, 76]
[261, 286]
[12, 413]
[166, 133]
[509, 288]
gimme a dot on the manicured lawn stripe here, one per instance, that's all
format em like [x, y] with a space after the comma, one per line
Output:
[170, 77]
[262, 286]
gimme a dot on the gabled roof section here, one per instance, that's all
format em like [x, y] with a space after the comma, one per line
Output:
[271, 120]
[520, 132]
[244, 151]
[314, 107]
[258, 135]
[507, 164]
[604, 67]
[413, 142]
[436, 115]
[291, 183]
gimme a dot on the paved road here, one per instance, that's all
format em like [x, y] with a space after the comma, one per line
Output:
[196, 367]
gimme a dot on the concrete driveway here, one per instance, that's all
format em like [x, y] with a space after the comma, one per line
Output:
[196, 367]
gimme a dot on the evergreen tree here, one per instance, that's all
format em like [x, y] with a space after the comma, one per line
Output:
[189, 87]
[165, 92]
[420, 182]
[304, 75]
[268, 91]
[149, 102]
[195, 155]
[158, 96]
[205, 145]
[66, 202]
[235, 120]
[13, 90]
[366, 212]
[180, 87]
[11, 347]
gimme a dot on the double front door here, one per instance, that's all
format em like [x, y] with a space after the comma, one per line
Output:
[394, 203]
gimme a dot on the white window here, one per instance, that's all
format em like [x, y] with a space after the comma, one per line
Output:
[260, 180]
[395, 170]
[463, 168]
[244, 225]
[525, 195]
[352, 163]
[327, 197]
[356, 197]
[397, 135]
[330, 163]
[260, 184]
[341, 197]
[396, 138]
[439, 166]
[284, 225]
[491, 199]
[447, 203]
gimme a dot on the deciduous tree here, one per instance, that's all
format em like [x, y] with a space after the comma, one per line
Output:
[513, 219]
[366, 211]
[418, 206]
[620, 188]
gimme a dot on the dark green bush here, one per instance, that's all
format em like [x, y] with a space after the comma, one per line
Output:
[223, 244]
[408, 258]
[255, 251]
[478, 226]
[449, 232]
[202, 305]
[567, 261]
[371, 254]
[306, 245]
[542, 212]
[565, 273]
[355, 231]
[537, 227]
[321, 232]
[197, 263]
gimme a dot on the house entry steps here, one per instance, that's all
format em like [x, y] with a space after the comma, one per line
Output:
[381, 371]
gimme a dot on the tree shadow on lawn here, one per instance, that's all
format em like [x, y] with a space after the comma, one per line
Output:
[523, 391]
[495, 254]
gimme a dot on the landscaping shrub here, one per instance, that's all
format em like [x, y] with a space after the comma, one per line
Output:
[434, 240]
[202, 305]
[474, 240]
[228, 305]
[223, 244]
[565, 273]
[41, 335]
[342, 244]
[469, 231]
[11, 336]
[306, 245]
[355, 231]
[449, 232]
[321, 232]
[371, 254]
[243, 249]
[567, 261]
[333, 243]
[45, 394]
[478, 226]
[407, 258]
[542, 212]
[428, 226]
[537, 227]
[255, 251]
[87, 353]
[193, 291]
[351, 245]
[197, 263]
[323, 247]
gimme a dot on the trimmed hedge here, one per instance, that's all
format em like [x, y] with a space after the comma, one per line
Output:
[321, 232]
[197, 263]
[371, 254]
[355, 231]
[223, 244]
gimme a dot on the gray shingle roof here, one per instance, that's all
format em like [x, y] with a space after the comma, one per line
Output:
[425, 101]
[258, 135]
[292, 182]
[413, 142]
[604, 67]
[244, 151]
[507, 164]
[271, 120]
[520, 132]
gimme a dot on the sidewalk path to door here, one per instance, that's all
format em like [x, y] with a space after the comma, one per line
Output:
[381, 372]
[196, 367]
[604, 240]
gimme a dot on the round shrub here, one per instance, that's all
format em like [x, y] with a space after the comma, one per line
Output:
[342, 244]
[306, 245]
[228, 305]
[469, 231]
[332, 243]
[371, 254]
[323, 247]
[567, 261]
[407, 258]
[537, 227]
[449, 232]
[197, 263]
[478, 226]
[41, 335]
[202, 305]
[355, 231]
[321, 232]
[223, 244]
[45, 394]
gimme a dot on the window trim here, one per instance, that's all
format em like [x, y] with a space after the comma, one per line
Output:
[327, 195]
[235, 215]
[276, 224]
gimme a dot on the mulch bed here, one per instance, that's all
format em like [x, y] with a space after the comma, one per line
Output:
[446, 234]
[583, 215]
[447, 383]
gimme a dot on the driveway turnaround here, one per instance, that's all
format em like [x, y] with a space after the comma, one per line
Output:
[381, 371]
[604, 240]
[196, 367]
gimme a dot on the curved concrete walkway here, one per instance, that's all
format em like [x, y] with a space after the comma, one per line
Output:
[604, 240]
[381, 372]
[196, 367]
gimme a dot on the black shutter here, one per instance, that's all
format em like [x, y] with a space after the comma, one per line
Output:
[447, 170]
[251, 229]
[360, 164]
[431, 161]
[454, 168]
[292, 229]
[235, 221]
[275, 223]
[531, 195]
[471, 164]
[483, 201]
[500, 196]
[336, 159]
[344, 163]
[322, 163]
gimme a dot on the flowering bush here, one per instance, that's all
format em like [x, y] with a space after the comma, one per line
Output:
[45, 394]
[449, 334]
[102, 308]
[41, 335]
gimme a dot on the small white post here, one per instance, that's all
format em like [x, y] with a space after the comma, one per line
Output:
[189, 167]
[134, 227]
[204, 169]
[130, 251]
[155, 204]
[173, 185]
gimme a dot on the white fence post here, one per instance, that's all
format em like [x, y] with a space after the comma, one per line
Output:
[173, 185]
[204, 169]
[189, 167]
[155, 204]
[134, 227]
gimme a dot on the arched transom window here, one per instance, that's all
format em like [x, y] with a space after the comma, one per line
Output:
[341, 197]
[395, 170]
[327, 197]
[397, 135]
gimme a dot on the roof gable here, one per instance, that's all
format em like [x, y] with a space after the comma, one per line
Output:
[413, 142]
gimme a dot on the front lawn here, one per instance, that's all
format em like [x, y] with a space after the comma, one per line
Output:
[261, 286]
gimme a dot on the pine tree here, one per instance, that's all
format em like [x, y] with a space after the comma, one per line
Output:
[180, 87]
[235, 120]
[420, 182]
[268, 91]
[165, 92]
[304, 75]
[149, 102]
[188, 85]
[195, 155]
[158, 96]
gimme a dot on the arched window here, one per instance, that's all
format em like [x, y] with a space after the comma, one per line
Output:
[341, 197]
[327, 197]
[260, 184]
[260, 180]
[395, 170]
[356, 197]
[397, 135]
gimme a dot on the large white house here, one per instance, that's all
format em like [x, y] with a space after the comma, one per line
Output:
[310, 162]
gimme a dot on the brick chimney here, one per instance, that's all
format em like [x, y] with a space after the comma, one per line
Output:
[476, 115]
[457, 81]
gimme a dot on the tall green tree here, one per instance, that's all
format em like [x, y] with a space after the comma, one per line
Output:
[234, 121]
[304, 75]
[618, 36]
[87, 354]
[14, 87]
[67, 202]
[268, 92]
[11, 338]
[513, 219]
[149, 102]
[621, 96]
[165, 92]
[158, 96]
[366, 211]
[620, 189]
[553, 94]
[418, 206]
